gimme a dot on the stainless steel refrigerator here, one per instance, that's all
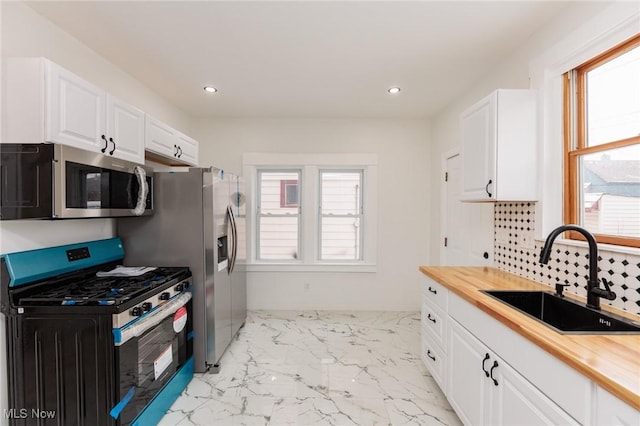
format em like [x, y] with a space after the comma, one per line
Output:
[199, 222]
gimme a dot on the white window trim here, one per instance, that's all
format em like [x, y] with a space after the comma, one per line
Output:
[311, 164]
[609, 28]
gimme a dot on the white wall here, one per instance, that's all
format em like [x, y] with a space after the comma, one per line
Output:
[25, 33]
[511, 73]
[402, 147]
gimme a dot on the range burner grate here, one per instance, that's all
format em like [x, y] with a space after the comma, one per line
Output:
[91, 290]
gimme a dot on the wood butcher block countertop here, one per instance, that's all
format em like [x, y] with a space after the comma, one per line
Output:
[612, 361]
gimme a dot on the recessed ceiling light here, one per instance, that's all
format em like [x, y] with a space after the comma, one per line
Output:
[394, 90]
[210, 89]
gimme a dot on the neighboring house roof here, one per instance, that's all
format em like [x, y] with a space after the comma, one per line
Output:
[610, 171]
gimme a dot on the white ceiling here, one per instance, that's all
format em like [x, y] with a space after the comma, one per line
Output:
[304, 59]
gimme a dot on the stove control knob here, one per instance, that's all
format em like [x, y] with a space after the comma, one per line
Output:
[165, 296]
[136, 311]
[179, 288]
[146, 306]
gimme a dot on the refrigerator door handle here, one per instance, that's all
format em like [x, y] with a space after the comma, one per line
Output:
[234, 239]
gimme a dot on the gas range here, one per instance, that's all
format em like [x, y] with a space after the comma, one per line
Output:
[130, 336]
[126, 298]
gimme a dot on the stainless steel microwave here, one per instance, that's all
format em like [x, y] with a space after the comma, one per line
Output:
[39, 181]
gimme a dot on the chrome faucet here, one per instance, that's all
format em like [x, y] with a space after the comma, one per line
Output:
[594, 292]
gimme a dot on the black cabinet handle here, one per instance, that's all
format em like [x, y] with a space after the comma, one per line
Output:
[485, 255]
[105, 144]
[486, 188]
[429, 355]
[486, 357]
[430, 318]
[114, 146]
[495, 364]
[175, 152]
[179, 152]
[432, 290]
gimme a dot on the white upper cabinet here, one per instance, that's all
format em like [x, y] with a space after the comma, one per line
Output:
[160, 139]
[187, 149]
[168, 146]
[74, 109]
[498, 146]
[125, 127]
[43, 102]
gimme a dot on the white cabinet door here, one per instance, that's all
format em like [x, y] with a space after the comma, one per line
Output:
[74, 110]
[160, 138]
[478, 133]
[434, 330]
[169, 145]
[484, 389]
[498, 146]
[614, 412]
[187, 150]
[515, 401]
[125, 130]
[467, 387]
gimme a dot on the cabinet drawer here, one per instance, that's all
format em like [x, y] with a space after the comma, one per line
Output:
[433, 359]
[434, 322]
[435, 293]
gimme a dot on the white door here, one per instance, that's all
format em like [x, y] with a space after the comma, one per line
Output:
[125, 131]
[467, 227]
[75, 110]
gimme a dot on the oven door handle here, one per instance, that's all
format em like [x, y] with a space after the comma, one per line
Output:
[138, 328]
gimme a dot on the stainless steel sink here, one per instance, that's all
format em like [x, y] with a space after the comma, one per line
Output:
[565, 315]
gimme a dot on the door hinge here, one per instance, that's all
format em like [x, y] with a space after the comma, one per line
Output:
[446, 176]
[446, 241]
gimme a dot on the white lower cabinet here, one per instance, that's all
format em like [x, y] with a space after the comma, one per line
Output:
[610, 411]
[485, 390]
[434, 330]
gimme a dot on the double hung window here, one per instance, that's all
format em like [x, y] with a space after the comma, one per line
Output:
[602, 145]
[313, 210]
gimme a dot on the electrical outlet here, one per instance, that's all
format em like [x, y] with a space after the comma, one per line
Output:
[501, 237]
[527, 242]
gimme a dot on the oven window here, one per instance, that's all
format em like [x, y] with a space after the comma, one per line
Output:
[90, 187]
[157, 354]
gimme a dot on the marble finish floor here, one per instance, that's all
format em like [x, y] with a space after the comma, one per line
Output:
[318, 368]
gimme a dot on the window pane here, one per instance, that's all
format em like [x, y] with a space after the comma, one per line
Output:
[278, 238]
[611, 191]
[279, 192]
[613, 99]
[340, 238]
[340, 192]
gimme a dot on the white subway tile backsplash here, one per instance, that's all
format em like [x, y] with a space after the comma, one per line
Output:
[516, 251]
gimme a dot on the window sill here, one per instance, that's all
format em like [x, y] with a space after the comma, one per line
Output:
[325, 267]
[607, 247]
